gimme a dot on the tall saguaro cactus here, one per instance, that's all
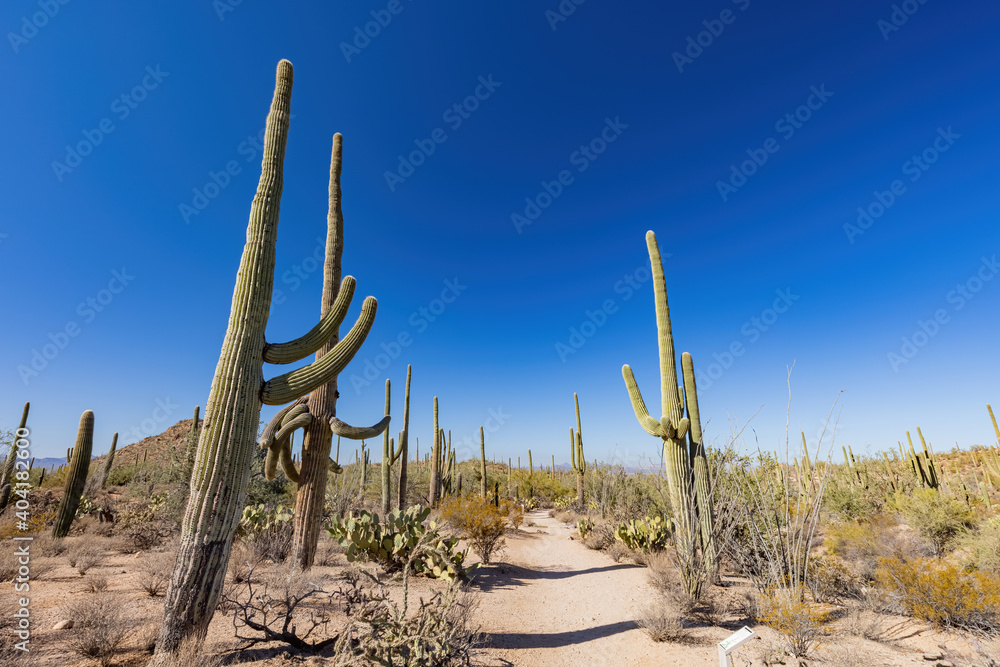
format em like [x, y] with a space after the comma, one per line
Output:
[673, 428]
[404, 444]
[8, 466]
[316, 414]
[435, 480]
[482, 462]
[576, 459]
[108, 462]
[76, 475]
[226, 443]
[390, 454]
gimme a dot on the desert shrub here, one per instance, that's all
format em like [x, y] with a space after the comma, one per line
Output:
[983, 546]
[48, 546]
[865, 623]
[478, 522]
[851, 502]
[101, 625]
[84, 555]
[937, 517]
[600, 537]
[662, 622]
[268, 532]
[154, 573]
[645, 536]
[798, 622]
[943, 593]
[96, 583]
[863, 544]
[142, 522]
[40, 566]
[393, 541]
[618, 552]
[513, 512]
[831, 579]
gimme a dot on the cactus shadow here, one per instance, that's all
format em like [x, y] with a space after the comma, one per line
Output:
[505, 576]
[542, 640]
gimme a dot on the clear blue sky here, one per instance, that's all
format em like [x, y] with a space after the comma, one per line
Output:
[113, 119]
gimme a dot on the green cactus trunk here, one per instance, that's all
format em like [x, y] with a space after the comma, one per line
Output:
[404, 439]
[432, 492]
[192, 442]
[482, 462]
[672, 427]
[8, 467]
[76, 476]
[702, 481]
[108, 462]
[390, 453]
[226, 446]
[577, 462]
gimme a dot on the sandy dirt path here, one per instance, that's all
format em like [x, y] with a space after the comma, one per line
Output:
[554, 602]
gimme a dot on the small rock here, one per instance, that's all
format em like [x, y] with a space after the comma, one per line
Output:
[63, 625]
[944, 663]
[931, 657]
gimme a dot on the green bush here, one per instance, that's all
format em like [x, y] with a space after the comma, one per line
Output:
[478, 522]
[983, 546]
[401, 540]
[937, 517]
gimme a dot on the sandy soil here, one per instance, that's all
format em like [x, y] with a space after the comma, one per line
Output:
[550, 601]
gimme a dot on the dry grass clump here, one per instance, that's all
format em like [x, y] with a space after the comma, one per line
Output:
[600, 537]
[48, 546]
[154, 572]
[618, 551]
[101, 624]
[663, 623]
[84, 555]
[865, 623]
[96, 583]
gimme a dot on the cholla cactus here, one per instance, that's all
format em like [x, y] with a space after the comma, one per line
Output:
[76, 476]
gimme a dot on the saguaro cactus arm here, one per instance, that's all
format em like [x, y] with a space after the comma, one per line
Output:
[286, 353]
[358, 432]
[288, 387]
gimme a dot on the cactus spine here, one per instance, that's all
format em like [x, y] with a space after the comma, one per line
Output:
[390, 454]
[108, 462]
[576, 459]
[76, 476]
[482, 462]
[673, 428]
[404, 438]
[225, 446]
[8, 467]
